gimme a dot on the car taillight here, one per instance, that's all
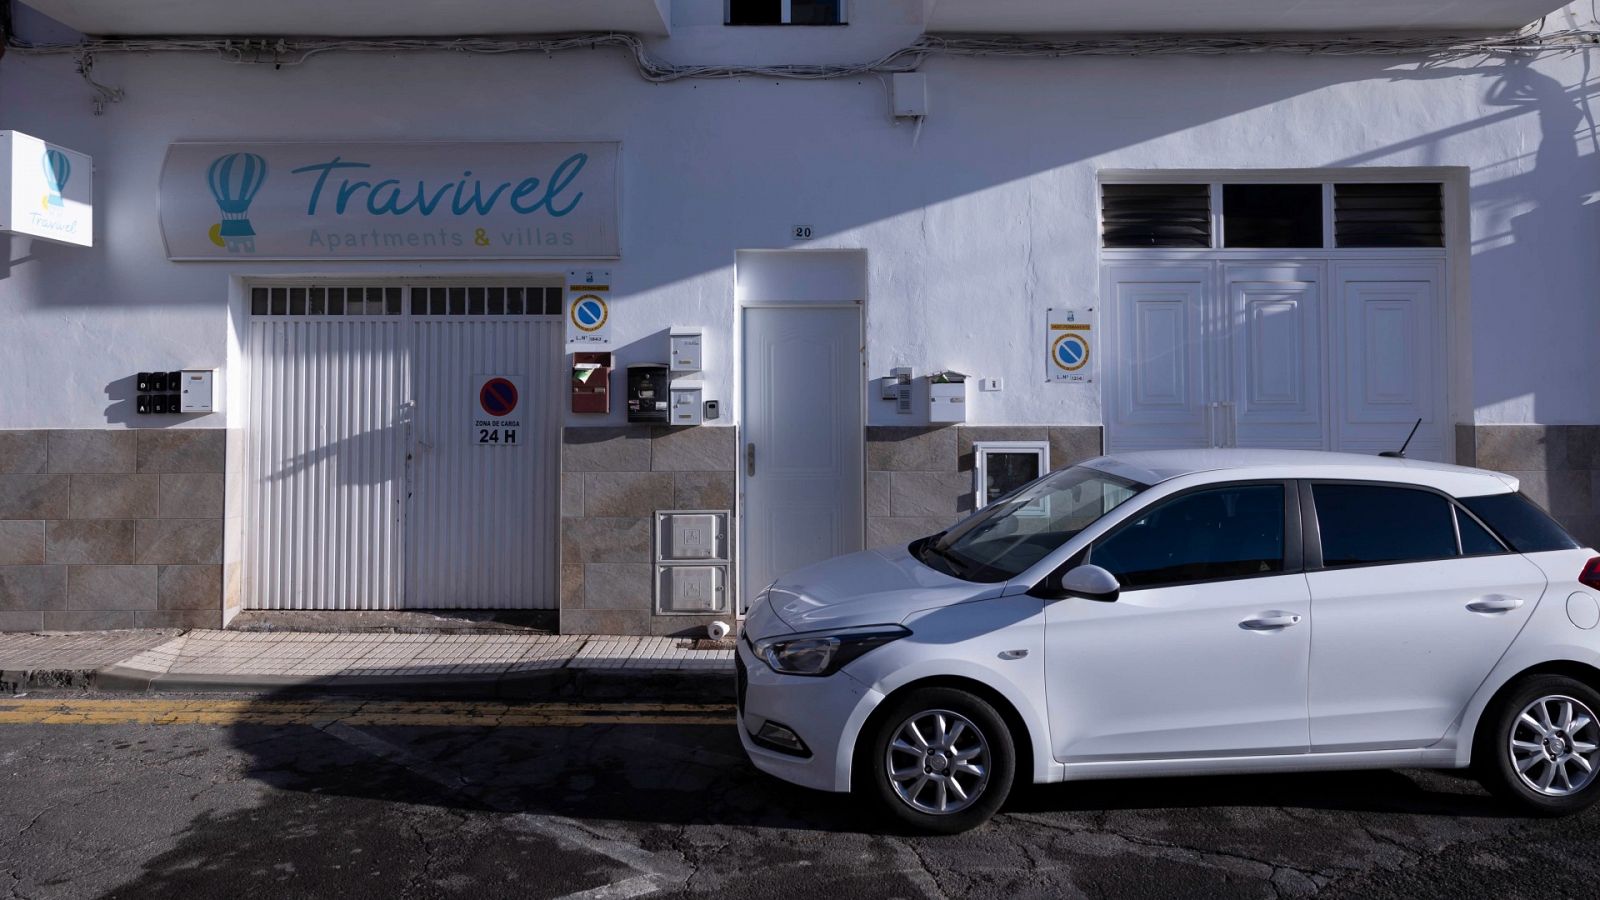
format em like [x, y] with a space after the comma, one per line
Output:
[1591, 573]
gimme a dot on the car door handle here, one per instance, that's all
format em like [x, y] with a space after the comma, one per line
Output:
[1276, 621]
[1494, 603]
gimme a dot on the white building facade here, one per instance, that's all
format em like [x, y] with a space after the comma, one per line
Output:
[1118, 249]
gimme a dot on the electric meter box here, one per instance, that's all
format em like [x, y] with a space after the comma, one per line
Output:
[691, 590]
[686, 408]
[947, 397]
[687, 346]
[196, 391]
[691, 536]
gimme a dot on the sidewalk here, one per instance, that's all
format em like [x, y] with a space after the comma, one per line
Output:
[477, 664]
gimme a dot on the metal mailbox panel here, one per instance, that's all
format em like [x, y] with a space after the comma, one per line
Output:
[692, 590]
[691, 536]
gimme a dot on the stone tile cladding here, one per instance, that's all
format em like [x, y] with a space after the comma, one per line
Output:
[111, 528]
[920, 479]
[1558, 466]
[613, 480]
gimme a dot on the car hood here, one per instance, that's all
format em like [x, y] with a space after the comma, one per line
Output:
[874, 587]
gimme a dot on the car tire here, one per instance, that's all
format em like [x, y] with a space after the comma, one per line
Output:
[1527, 741]
[947, 782]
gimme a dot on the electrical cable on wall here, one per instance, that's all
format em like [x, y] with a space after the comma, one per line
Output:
[280, 52]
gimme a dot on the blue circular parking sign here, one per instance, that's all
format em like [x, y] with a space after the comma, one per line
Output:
[1071, 352]
[589, 313]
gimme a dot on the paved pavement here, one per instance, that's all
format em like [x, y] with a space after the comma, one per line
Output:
[235, 660]
[236, 797]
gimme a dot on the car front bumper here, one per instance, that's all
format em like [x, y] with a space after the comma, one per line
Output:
[827, 714]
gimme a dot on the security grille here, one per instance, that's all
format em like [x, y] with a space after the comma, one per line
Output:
[368, 300]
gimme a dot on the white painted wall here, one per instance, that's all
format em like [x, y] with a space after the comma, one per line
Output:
[973, 228]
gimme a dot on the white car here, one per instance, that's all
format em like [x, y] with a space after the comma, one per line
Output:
[1184, 613]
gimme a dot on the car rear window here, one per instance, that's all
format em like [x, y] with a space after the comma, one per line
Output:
[1520, 523]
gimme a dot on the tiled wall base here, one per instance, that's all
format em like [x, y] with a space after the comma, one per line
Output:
[612, 482]
[920, 480]
[1558, 466]
[103, 528]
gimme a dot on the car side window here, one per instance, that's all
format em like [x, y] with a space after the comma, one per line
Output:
[1367, 524]
[1475, 539]
[1217, 533]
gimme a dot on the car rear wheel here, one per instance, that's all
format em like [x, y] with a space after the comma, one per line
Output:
[1539, 747]
[940, 760]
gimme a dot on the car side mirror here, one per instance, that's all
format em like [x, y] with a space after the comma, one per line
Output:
[1090, 583]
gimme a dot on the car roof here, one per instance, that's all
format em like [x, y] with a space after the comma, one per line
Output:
[1155, 466]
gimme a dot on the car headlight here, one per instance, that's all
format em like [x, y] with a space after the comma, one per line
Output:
[822, 653]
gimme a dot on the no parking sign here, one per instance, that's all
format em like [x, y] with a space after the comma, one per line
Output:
[1070, 346]
[496, 410]
[588, 310]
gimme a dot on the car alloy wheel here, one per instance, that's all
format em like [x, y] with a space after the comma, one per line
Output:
[938, 762]
[1555, 745]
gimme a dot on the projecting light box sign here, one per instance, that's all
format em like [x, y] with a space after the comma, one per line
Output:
[46, 191]
[467, 200]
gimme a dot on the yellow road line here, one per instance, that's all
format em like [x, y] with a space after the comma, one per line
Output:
[47, 711]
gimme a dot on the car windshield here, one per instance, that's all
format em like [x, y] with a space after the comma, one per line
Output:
[1008, 536]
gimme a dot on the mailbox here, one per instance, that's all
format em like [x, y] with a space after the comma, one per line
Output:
[591, 382]
[947, 397]
[648, 389]
[686, 397]
[687, 349]
[196, 392]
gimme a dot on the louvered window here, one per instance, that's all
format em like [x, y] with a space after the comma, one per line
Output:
[1156, 215]
[1388, 215]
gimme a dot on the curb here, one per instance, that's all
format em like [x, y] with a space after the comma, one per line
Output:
[707, 685]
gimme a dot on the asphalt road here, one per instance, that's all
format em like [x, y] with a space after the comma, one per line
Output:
[203, 797]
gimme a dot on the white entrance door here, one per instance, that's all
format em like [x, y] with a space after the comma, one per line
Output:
[803, 466]
[479, 517]
[1219, 354]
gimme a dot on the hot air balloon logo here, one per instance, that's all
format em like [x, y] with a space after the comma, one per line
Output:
[57, 169]
[234, 180]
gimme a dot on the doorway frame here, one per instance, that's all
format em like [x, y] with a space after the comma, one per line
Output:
[851, 270]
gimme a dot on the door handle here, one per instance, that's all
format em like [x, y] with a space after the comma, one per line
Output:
[1273, 621]
[1495, 603]
[750, 459]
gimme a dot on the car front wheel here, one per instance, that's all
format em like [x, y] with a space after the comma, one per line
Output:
[940, 760]
[1540, 746]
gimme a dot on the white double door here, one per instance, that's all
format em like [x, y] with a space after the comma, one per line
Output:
[367, 488]
[1315, 355]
